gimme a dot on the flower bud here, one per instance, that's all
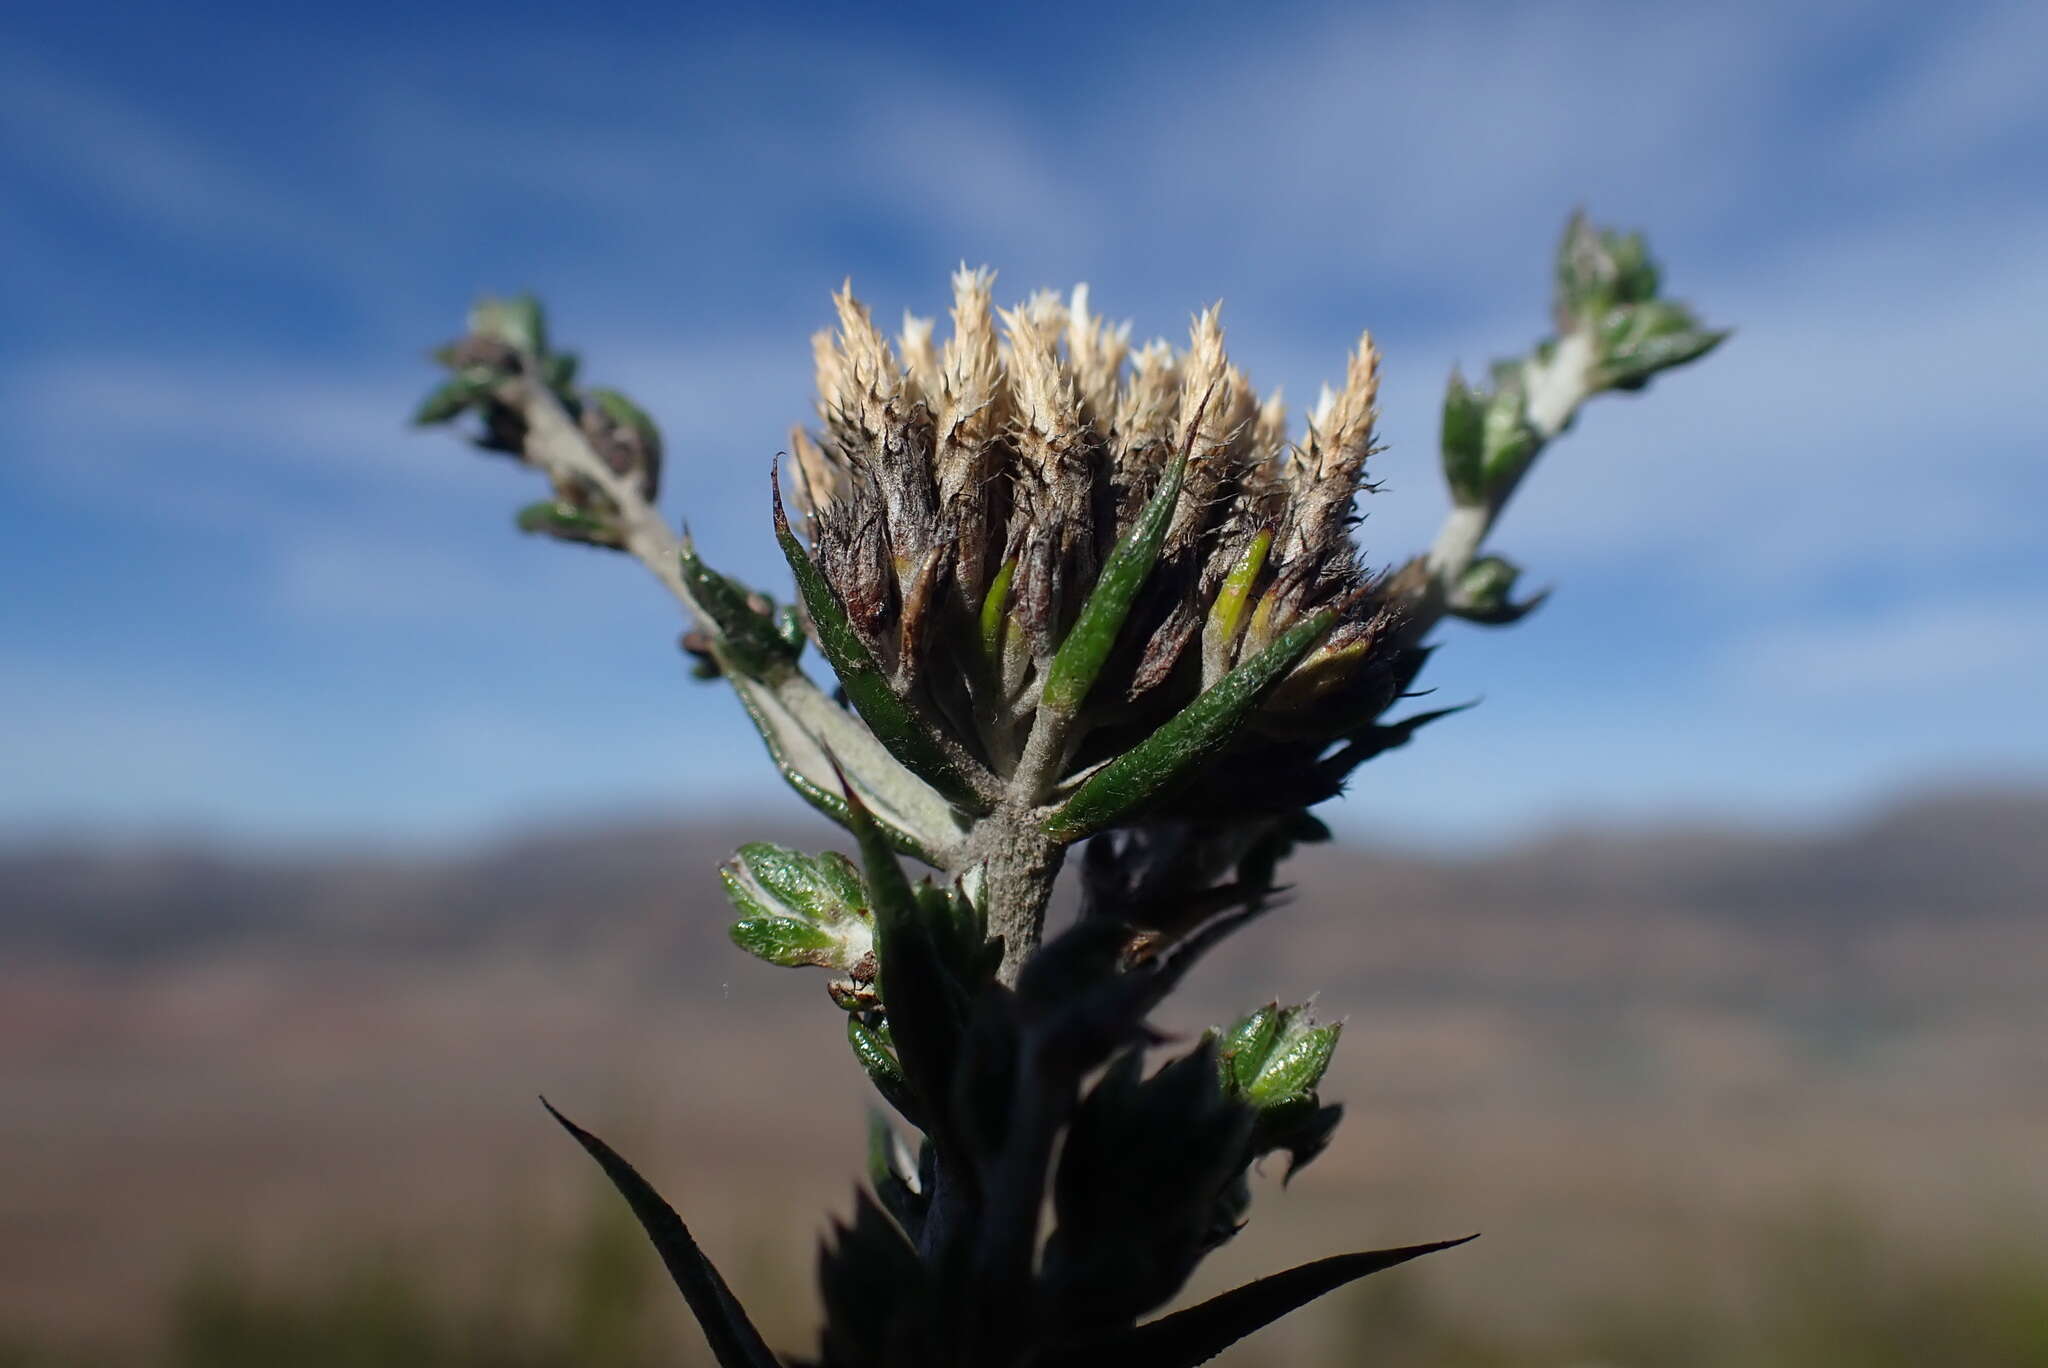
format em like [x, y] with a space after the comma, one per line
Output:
[798, 909]
[1276, 1056]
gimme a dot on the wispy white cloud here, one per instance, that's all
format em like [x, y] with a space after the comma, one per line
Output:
[1908, 651]
[170, 183]
[1318, 169]
[1977, 90]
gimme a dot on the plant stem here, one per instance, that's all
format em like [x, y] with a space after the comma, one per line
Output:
[1019, 864]
[1555, 388]
[555, 445]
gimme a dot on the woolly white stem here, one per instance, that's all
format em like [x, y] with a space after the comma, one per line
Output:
[557, 446]
[1554, 389]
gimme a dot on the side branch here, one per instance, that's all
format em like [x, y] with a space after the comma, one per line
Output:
[556, 446]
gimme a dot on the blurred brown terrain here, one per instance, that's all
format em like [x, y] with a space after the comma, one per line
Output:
[1686, 1069]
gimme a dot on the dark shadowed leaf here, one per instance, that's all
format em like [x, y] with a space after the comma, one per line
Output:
[1198, 1334]
[913, 739]
[734, 1341]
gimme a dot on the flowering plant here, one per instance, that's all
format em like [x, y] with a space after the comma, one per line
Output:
[1071, 591]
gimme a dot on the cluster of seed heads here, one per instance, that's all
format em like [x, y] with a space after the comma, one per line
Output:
[967, 500]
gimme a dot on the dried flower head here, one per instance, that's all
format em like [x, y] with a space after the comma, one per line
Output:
[1049, 545]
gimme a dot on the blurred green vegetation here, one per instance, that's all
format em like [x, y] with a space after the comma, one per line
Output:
[599, 1300]
[1823, 1292]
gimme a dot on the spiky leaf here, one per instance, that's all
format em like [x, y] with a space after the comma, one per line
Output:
[1198, 1334]
[1094, 633]
[1182, 743]
[734, 1341]
[913, 739]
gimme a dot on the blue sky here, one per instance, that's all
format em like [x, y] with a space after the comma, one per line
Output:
[242, 599]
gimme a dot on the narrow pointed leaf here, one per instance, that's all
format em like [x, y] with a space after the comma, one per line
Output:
[1226, 615]
[1633, 371]
[564, 523]
[831, 804]
[926, 1008]
[751, 639]
[993, 611]
[628, 414]
[734, 1341]
[891, 1171]
[912, 739]
[1376, 739]
[1195, 733]
[1484, 593]
[1463, 439]
[1198, 1334]
[890, 895]
[882, 1068]
[1093, 635]
[448, 401]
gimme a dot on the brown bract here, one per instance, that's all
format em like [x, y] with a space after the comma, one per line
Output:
[963, 498]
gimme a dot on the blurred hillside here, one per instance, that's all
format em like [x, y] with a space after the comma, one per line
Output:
[1629, 1057]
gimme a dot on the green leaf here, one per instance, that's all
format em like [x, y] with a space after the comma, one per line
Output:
[1580, 273]
[564, 523]
[1599, 269]
[1464, 441]
[1094, 633]
[1296, 1063]
[927, 1008]
[558, 372]
[752, 640]
[627, 414]
[796, 879]
[1509, 441]
[734, 1341]
[1632, 369]
[518, 322]
[1242, 1049]
[448, 401]
[1226, 615]
[890, 897]
[798, 909]
[909, 737]
[831, 804]
[1635, 275]
[842, 879]
[1484, 593]
[1181, 744]
[993, 609]
[882, 1068]
[785, 942]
